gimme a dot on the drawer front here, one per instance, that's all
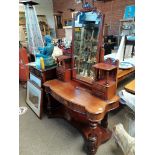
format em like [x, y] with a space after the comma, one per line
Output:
[99, 87]
[99, 94]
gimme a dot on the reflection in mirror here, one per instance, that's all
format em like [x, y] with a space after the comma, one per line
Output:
[86, 31]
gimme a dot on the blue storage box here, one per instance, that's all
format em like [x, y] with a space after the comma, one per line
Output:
[129, 12]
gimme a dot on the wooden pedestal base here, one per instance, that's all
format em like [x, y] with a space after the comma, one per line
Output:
[94, 133]
[86, 112]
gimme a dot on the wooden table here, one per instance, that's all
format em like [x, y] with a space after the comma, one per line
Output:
[88, 113]
[130, 87]
[124, 73]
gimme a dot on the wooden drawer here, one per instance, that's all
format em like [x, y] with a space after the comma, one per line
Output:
[99, 94]
[99, 87]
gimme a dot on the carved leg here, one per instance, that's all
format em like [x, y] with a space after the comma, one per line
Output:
[104, 122]
[92, 139]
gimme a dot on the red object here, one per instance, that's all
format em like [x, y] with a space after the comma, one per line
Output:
[60, 46]
[67, 51]
[23, 69]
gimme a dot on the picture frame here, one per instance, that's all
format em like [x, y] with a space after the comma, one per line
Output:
[35, 79]
[34, 98]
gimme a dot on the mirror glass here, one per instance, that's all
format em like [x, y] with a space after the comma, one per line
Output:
[86, 32]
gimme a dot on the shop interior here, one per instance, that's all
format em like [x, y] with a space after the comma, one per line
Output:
[77, 77]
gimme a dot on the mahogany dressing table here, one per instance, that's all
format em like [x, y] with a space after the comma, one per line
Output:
[85, 89]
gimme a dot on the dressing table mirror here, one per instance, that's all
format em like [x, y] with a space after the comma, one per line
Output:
[87, 41]
[85, 88]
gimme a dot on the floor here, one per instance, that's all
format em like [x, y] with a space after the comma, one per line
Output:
[56, 136]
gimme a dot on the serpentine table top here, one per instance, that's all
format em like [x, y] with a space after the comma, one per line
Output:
[80, 99]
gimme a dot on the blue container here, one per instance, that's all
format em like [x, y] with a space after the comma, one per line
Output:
[129, 12]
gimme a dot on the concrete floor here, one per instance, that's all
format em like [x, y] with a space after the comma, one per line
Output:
[56, 136]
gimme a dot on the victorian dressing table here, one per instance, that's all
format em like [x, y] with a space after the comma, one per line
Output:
[85, 89]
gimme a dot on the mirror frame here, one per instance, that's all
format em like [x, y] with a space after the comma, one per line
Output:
[99, 52]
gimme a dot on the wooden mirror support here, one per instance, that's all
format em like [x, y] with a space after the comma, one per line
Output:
[83, 103]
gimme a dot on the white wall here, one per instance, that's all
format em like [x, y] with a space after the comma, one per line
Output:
[45, 7]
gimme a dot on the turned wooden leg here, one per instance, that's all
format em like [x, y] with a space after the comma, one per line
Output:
[104, 122]
[92, 139]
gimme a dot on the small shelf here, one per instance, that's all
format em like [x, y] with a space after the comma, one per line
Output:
[104, 66]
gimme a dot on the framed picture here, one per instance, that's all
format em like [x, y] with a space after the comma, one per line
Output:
[35, 79]
[34, 97]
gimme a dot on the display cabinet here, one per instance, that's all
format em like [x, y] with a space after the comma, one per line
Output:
[38, 77]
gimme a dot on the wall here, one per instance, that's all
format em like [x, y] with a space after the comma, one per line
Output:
[113, 10]
[45, 7]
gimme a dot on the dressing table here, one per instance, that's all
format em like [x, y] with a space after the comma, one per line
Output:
[85, 88]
